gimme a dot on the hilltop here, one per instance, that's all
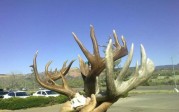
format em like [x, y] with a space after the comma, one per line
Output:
[167, 67]
[75, 72]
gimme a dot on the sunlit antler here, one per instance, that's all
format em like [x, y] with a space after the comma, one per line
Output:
[141, 74]
[50, 83]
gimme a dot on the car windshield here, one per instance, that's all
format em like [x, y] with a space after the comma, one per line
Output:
[51, 92]
[1, 93]
[11, 94]
[21, 94]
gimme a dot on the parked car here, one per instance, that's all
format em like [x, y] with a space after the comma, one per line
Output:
[46, 93]
[2, 93]
[18, 94]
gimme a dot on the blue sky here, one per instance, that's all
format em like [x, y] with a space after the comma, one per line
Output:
[47, 26]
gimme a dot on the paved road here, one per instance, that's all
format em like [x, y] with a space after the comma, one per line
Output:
[134, 103]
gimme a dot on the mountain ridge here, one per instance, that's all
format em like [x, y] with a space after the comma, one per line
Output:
[76, 70]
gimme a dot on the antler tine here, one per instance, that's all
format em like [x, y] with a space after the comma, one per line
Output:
[50, 77]
[97, 85]
[84, 50]
[83, 67]
[68, 67]
[123, 41]
[111, 88]
[34, 66]
[126, 66]
[143, 56]
[94, 41]
[120, 51]
[64, 64]
[65, 84]
[116, 39]
[135, 74]
[46, 69]
[65, 89]
[57, 75]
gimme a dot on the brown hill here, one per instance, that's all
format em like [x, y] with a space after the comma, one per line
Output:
[74, 72]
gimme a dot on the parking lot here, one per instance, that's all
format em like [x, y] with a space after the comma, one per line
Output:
[147, 103]
[161, 102]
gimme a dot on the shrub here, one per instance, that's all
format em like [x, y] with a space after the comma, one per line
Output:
[19, 103]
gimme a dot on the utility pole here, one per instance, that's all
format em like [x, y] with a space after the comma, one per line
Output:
[173, 71]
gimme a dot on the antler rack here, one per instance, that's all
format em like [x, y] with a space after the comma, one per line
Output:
[50, 83]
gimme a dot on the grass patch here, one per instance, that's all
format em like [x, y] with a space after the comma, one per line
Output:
[152, 92]
[19, 103]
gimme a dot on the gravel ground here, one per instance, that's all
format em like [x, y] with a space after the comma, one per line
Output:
[133, 103]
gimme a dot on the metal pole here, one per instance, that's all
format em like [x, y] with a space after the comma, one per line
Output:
[174, 73]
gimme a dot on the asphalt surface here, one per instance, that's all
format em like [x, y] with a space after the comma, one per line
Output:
[147, 103]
